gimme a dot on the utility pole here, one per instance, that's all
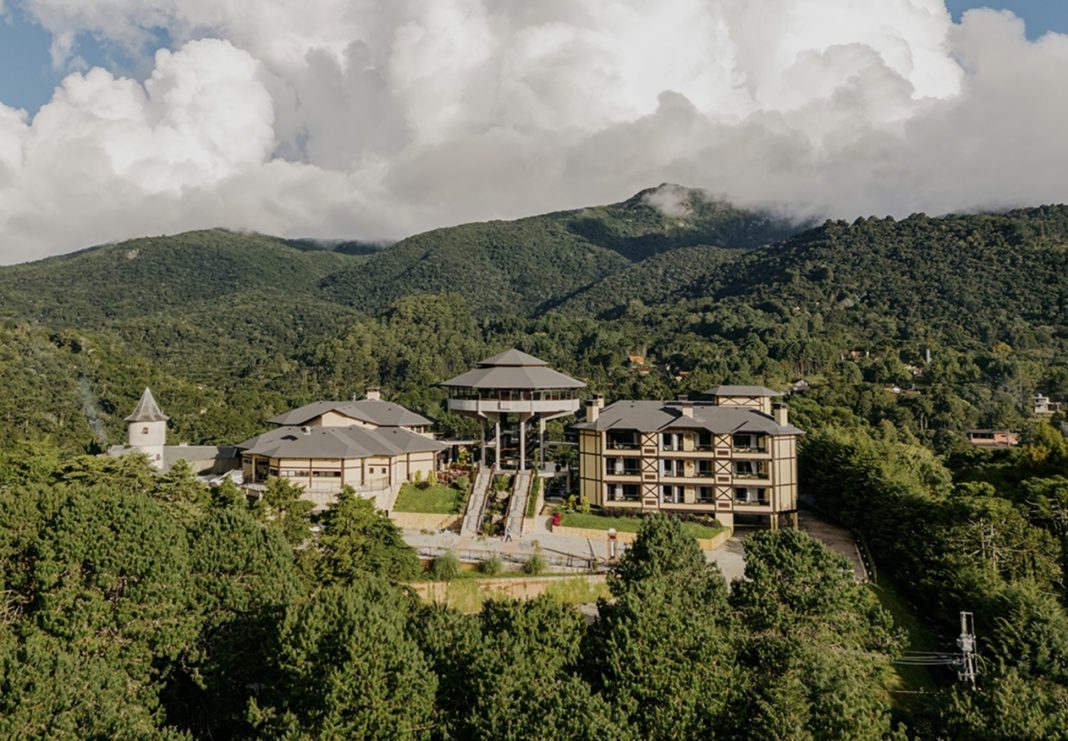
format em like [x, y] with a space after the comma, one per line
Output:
[966, 644]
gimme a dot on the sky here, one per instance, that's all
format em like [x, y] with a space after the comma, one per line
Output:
[363, 119]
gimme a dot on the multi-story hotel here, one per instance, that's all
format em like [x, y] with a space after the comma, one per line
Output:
[732, 454]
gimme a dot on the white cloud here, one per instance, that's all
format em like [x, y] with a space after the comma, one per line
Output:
[369, 119]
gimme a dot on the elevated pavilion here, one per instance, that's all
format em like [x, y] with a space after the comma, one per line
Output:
[509, 391]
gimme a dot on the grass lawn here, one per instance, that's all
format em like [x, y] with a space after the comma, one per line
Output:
[920, 637]
[436, 498]
[631, 524]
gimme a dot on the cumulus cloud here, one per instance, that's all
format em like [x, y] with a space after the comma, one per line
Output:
[358, 118]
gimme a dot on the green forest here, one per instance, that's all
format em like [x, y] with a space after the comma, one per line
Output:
[137, 605]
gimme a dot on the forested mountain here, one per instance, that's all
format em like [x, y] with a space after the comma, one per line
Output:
[231, 328]
[525, 265]
[160, 275]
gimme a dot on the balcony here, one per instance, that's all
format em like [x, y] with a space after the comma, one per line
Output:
[751, 474]
[513, 406]
[624, 493]
[623, 442]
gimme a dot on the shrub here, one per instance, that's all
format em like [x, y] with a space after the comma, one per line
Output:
[463, 483]
[491, 566]
[445, 567]
[535, 564]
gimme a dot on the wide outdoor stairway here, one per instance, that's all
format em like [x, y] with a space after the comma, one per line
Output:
[472, 524]
[517, 505]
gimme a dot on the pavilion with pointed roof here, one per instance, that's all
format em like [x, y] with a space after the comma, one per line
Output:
[509, 391]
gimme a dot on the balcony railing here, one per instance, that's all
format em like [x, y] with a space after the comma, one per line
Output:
[750, 474]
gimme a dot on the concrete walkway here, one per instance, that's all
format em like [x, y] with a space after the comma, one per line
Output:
[562, 551]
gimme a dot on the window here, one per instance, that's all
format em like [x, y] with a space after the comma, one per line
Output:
[671, 467]
[705, 469]
[750, 469]
[670, 441]
[144, 430]
[623, 440]
[751, 495]
[671, 495]
[623, 492]
[704, 441]
[705, 494]
[749, 441]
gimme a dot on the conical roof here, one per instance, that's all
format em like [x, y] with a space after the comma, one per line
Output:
[514, 358]
[147, 410]
[514, 369]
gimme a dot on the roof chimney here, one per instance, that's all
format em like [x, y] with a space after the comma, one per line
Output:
[599, 401]
[374, 393]
[593, 409]
[684, 405]
[782, 414]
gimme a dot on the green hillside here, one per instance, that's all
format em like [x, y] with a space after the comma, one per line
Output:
[230, 328]
[664, 277]
[160, 274]
[534, 263]
[978, 275]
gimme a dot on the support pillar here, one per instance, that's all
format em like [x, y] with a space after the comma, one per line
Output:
[793, 519]
[482, 444]
[522, 443]
[497, 444]
[541, 441]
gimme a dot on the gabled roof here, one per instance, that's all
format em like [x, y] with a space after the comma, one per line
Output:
[514, 369]
[147, 410]
[741, 391]
[656, 416]
[339, 442]
[372, 411]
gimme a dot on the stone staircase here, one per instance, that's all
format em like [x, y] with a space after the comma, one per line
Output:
[476, 505]
[517, 505]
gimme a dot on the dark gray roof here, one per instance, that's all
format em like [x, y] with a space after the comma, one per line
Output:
[339, 442]
[513, 357]
[147, 410]
[741, 391]
[372, 411]
[654, 416]
[514, 369]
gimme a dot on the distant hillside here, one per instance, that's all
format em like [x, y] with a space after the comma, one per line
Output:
[158, 274]
[965, 270]
[536, 262]
[658, 279]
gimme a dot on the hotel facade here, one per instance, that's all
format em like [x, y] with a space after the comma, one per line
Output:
[729, 454]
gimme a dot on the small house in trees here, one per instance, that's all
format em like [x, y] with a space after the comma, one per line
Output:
[729, 454]
[371, 445]
[146, 433]
[993, 438]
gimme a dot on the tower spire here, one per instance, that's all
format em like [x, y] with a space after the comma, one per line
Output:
[147, 410]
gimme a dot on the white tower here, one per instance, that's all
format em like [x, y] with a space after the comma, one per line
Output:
[146, 429]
